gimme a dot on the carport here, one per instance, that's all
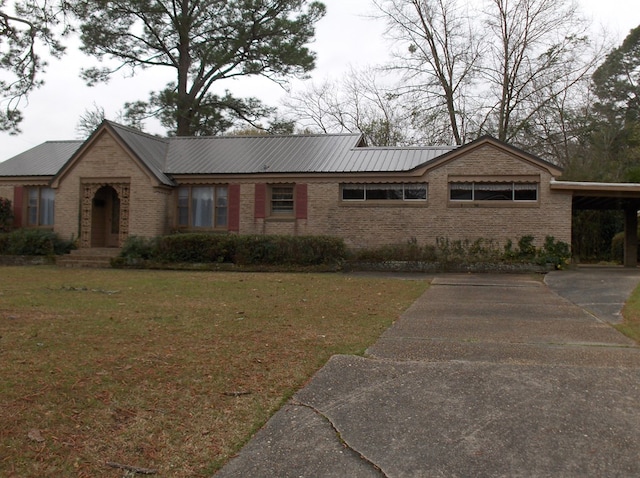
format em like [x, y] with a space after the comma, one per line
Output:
[609, 196]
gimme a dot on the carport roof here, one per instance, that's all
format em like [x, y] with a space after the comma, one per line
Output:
[595, 195]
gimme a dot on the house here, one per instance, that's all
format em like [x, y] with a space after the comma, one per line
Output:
[121, 182]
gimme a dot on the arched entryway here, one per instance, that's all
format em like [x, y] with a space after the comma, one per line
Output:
[105, 218]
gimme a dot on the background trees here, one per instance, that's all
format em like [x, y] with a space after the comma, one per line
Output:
[358, 103]
[26, 33]
[514, 69]
[438, 61]
[203, 42]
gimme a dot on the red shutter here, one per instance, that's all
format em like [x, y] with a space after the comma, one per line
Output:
[234, 207]
[260, 211]
[301, 201]
[18, 198]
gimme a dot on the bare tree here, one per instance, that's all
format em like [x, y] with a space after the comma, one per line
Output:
[438, 59]
[537, 54]
[357, 103]
[516, 69]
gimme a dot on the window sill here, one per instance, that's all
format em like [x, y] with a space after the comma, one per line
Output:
[493, 204]
[395, 204]
[201, 229]
[280, 219]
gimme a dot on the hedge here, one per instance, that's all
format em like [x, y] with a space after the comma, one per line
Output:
[33, 242]
[241, 250]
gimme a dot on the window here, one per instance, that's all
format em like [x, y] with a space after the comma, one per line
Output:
[498, 191]
[40, 206]
[203, 207]
[282, 200]
[384, 192]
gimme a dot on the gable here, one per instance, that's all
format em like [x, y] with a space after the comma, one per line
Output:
[490, 157]
[107, 154]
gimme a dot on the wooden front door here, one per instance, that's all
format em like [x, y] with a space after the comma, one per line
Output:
[105, 218]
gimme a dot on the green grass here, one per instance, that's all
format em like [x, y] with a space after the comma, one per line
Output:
[166, 370]
[631, 313]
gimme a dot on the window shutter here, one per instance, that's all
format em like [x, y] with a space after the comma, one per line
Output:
[260, 201]
[301, 201]
[234, 207]
[18, 198]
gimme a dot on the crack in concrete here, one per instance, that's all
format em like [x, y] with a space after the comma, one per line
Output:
[345, 443]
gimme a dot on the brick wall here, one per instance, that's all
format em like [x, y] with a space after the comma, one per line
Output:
[6, 192]
[368, 225]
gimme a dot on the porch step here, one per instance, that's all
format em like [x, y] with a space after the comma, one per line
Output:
[95, 257]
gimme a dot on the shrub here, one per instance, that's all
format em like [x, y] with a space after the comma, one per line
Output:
[34, 242]
[465, 251]
[242, 250]
[136, 247]
[554, 252]
[194, 248]
[6, 215]
[410, 251]
[462, 251]
[617, 247]
[526, 249]
[289, 250]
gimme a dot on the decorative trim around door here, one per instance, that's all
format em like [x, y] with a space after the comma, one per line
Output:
[89, 189]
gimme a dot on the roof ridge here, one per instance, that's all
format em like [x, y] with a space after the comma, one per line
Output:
[135, 131]
[265, 136]
[63, 141]
[400, 148]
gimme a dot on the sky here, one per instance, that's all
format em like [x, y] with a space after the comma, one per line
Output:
[347, 37]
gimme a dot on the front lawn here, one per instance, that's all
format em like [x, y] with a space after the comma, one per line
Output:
[165, 370]
[631, 313]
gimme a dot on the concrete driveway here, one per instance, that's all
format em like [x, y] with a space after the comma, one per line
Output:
[485, 375]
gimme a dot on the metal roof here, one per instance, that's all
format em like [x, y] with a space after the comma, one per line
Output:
[151, 150]
[258, 154]
[338, 153]
[43, 160]
[389, 159]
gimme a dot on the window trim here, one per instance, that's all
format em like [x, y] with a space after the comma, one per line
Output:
[216, 208]
[39, 210]
[474, 186]
[380, 186]
[285, 213]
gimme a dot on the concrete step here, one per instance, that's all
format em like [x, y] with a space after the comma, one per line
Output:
[91, 257]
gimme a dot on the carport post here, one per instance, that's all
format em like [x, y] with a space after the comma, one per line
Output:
[631, 236]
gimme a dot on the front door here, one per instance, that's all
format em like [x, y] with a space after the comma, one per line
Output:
[105, 218]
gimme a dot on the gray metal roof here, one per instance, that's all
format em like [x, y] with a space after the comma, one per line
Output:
[340, 153]
[258, 154]
[43, 160]
[151, 150]
[389, 159]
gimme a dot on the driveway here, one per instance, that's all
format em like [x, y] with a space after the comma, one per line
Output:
[485, 375]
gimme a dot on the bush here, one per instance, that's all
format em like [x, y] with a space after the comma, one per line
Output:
[410, 251]
[554, 252]
[617, 247]
[33, 242]
[6, 215]
[450, 252]
[136, 247]
[194, 248]
[204, 248]
[289, 250]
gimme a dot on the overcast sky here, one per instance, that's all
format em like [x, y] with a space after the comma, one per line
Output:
[347, 37]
